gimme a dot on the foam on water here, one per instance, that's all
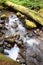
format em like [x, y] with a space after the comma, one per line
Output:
[13, 53]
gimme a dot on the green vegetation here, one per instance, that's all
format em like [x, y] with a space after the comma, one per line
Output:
[27, 3]
[7, 61]
[28, 12]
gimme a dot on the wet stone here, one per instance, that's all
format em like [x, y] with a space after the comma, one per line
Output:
[1, 26]
[0, 34]
[3, 17]
[1, 44]
[15, 33]
[14, 25]
[1, 50]
[2, 21]
[10, 41]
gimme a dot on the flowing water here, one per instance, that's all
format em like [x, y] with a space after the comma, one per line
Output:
[15, 26]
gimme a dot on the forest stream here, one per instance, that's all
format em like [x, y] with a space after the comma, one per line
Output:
[24, 38]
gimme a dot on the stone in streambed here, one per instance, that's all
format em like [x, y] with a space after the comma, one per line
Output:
[20, 15]
[11, 42]
[1, 26]
[3, 17]
[29, 24]
[1, 7]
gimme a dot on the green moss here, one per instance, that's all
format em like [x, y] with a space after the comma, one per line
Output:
[7, 61]
[29, 24]
[27, 3]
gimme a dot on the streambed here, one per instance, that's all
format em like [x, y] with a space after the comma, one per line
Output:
[13, 25]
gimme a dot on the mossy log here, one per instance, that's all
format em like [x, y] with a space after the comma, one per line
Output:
[30, 13]
[7, 61]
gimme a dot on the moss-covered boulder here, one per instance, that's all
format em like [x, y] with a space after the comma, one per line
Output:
[7, 61]
[3, 17]
[30, 24]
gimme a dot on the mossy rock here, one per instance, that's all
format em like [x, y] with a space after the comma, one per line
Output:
[1, 7]
[1, 26]
[29, 24]
[3, 17]
[20, 15]
[7, 61]
[10, 40]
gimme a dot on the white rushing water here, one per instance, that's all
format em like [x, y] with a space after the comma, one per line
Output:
[13, 53]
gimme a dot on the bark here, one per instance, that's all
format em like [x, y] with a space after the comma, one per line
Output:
[30, 13]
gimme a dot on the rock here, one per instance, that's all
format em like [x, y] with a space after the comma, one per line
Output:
[6, 45]
[20, 59]
[2, 21]
[1, 7]
[10, 40]
[22, 16]
[18, 14]
[16, 36]
[29, 24]
[41, 46]
[19, 43]
[9, 45]
[1, 50]
[6, 53]
[3, 17]
[14, 25]
[34, 56]
[38, 32]
[0, 34]
[1, 26]
[1, 44]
